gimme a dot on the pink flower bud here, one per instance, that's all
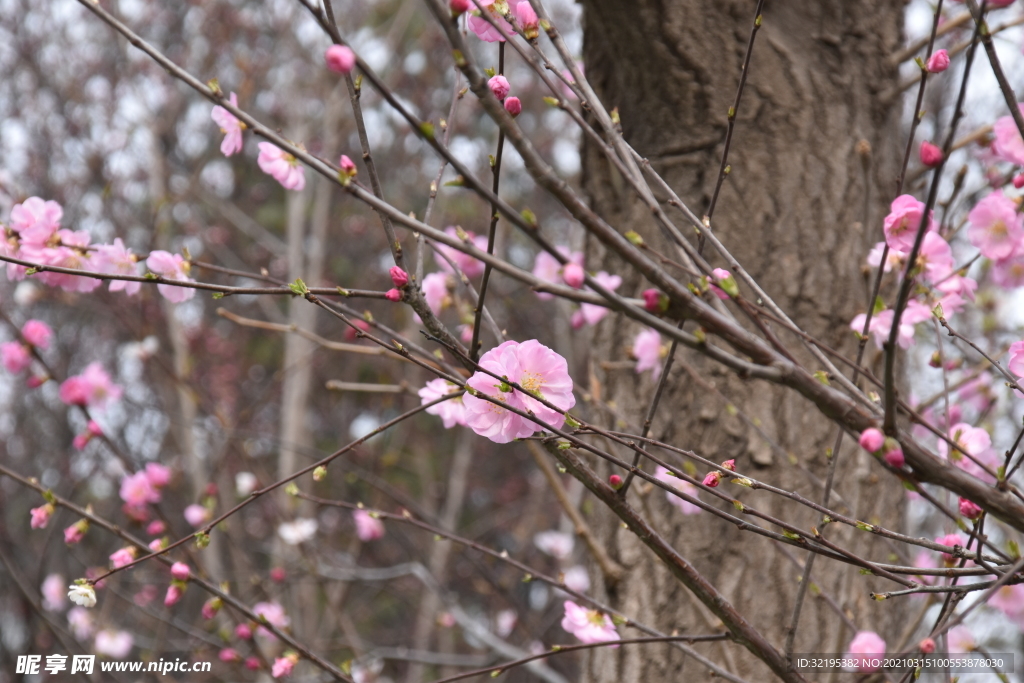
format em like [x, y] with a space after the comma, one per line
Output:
[340, 59]
[969, 509]
[252, 664]
[76, 532]
[350, 334]
[938, 62]
[174, 593]
[499, 86]
[527, 19]
[573, 275]
[229, 655]
[399, 276]
[211, 607]
[37, 333]
[713, 479]
[180, 571]
[871, 440]
[34, 382]
[927, 645]
[277, 574]
[459, 6]
[931, 155]
[615, 481]
[578, 320]
[122, 557]
[513, 106]
[156, 527]
[156, 545]
[243, 631]
[729, 465]
[41, 516]
[1018, 181]
[893, 453]
[393, 295]
[283, 666]
[348, 167]
[653, 301]
[81, 441]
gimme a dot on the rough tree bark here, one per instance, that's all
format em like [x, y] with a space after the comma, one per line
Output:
[793, 211]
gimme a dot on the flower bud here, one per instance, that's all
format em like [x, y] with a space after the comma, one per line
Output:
[713, 479]
[180, 571]
[156, 527]
[931, 155]
[871, 440]
[211, 607]
[393, 295]
[348, 167]
[340, 59]
[894, 454]
[499, 86]
[927, 645]
[969, 509]
[278, 574]
[41, 516]
[513, 106]
[573, 275]
[1018, 181]
[459, 6]
[938, 62]
[252, 664]
[655, 301]
[615, 481]
[399, 276]
[243, 631]
[729, 465]
[174, 593]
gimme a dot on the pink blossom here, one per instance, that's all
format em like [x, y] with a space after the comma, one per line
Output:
[729, 465]
[171, 267]
[368, 527]
[196, 515]
[995, 226]
[547, 268]
[398, 276]
[513, 106]
[937, 63]
[974, 441]
[54, 593]
[931, 155]
[969, 509]
[1009, 272]
[881, 323]
[243, 631]
[927, 646]
[211, 607]
[589, 626]
[1016, 364]
[116, 259]
[654, 301]
[158, 475]
[173, 595]
[283, 666]
[526, 18]
[80, 622]
[459, 6]
[41, 516]
[278, 575]
[70, 253]
[466, 263]
[1010, 601]
[229, 655]
[340, 59]
[393, 295]
[903, 222]
[137, 490]
[113, 644]
[35, 220]
[483, 29]
[281, 166]
[685, 506]
[348, 167]
[122, 557]
[935, 257]
[252, 663]
[870, 645]
[180, 571]
[37, 333]
[576, 578]
[435, 291]
[146, 595]
[951, 540]
[499, 86]
[156, 545]
[573, 275]
[156, 527]
[647, 351]
[1008, 144]
[592, 313]
[75, 533]
[453, 411]
[230, 126]
[16, 358]
[894, 456]
[541, 372]
[274, 614]
[871, 440]
[615, 481]
[894, 259]
[959, 639]
[712, 479]
[557, 544]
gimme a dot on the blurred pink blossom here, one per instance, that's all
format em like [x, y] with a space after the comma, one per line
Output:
[230, 126]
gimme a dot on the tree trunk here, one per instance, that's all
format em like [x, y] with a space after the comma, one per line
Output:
[793, 209]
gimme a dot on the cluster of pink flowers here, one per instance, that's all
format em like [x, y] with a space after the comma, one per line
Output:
[542, 374]
[874, 442]
[976, 442]
[588, 625]
[547, 268]
[453, 411]
[93, 388]
[522, 13]
[500, 88]
[142, 488]
[16, 355]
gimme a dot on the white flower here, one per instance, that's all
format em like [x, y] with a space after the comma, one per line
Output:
[299, 531]
[245, 484]
[555, 543]
[82, 594]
